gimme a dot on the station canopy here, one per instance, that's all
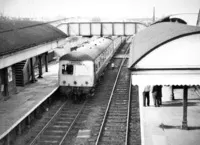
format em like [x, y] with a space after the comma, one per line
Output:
[166, 54]
[16, 35]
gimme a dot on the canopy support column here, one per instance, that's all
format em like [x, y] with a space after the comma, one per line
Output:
[46, 61]
[172, 93]
[40, 66]
[185, 98]
[5, 73]
[32, 70]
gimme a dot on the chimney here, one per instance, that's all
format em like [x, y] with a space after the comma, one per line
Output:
[198, 19]
[154, 19]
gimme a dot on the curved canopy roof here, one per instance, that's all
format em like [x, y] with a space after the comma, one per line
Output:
[156, 35]
[16, 35]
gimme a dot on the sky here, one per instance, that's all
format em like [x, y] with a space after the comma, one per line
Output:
[97, 8]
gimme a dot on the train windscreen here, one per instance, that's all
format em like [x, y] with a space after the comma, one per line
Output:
[85, 68]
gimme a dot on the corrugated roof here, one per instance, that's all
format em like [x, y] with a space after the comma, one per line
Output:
[155, 36]
[16, 35]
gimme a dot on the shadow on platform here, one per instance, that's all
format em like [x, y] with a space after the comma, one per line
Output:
[164, 126]
[178, 103]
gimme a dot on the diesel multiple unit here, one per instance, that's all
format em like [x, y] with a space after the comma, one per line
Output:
[80, 69]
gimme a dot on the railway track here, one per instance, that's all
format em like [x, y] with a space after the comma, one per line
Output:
[58, 126]
[115, 124]
[106, 118]
[121, 122]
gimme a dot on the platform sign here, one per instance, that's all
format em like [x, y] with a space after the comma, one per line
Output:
[96, 29]
[107, 29]
[73, 29]
[129, 29]
[118, 29]
[85, 29]
[9, 74]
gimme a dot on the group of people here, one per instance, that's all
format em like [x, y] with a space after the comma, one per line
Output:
[156, 93]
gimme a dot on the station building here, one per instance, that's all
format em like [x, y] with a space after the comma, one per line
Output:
[25, 47]
[167, 54]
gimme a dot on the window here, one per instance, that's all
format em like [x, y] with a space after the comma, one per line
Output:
[67, 69]
[82, 70]
[63, 69]
[70, 69]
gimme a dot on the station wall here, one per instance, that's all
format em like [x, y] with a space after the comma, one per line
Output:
[7, 75]
[12, 89]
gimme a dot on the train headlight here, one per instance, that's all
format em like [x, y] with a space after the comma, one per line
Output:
[75, 82]
[86, 82]
[64, 82]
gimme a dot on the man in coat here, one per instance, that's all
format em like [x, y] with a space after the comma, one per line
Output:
[157, 95]
[146, 95]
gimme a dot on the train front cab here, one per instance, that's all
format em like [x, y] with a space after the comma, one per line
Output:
[76, 77]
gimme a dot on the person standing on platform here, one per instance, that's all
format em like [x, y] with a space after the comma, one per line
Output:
[155, 95]
[146, 95]
[159, 95]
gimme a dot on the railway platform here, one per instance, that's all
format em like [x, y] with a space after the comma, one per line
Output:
[162, 125]
[28, 98]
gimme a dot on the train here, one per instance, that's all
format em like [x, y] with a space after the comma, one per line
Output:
[80, 69]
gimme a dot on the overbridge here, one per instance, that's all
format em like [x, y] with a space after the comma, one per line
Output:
[99, 28]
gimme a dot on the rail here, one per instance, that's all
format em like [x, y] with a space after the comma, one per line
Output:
[48, 123]
[128, 113]
[108, 106]
[53, 118]
[72, 123]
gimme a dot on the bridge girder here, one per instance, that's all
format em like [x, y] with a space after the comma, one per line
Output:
[101, 28]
